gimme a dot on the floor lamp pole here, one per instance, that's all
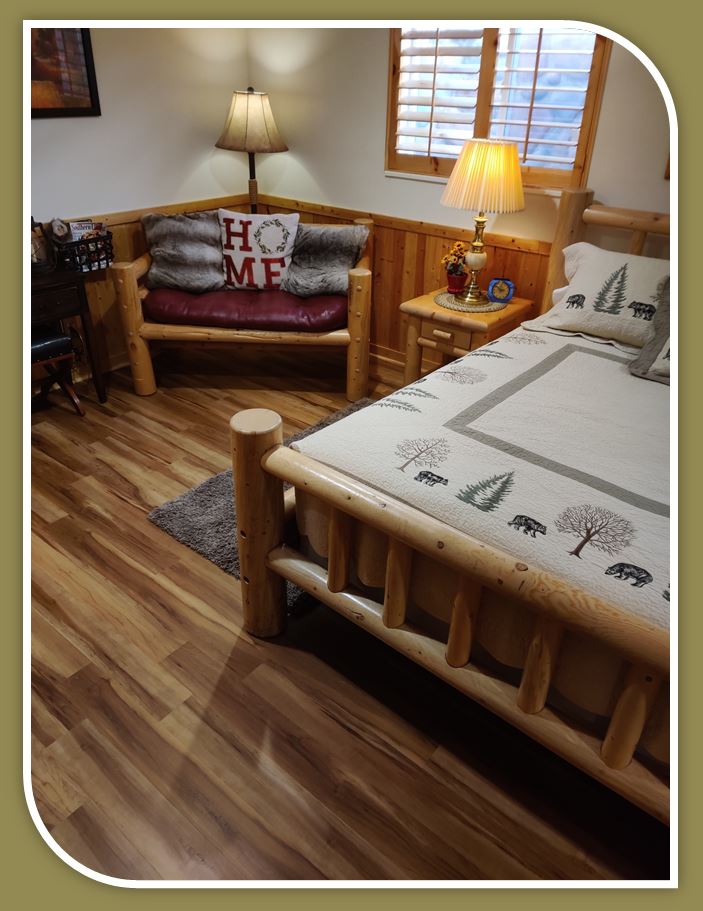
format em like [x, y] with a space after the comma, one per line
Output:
[253, 196]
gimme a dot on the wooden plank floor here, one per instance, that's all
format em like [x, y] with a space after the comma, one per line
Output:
[169, 744]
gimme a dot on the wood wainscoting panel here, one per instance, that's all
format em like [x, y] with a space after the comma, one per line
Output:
[406, 265]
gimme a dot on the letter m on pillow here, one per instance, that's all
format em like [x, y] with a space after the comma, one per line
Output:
[256, 249]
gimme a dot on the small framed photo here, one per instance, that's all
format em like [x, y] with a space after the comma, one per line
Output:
[63, 73]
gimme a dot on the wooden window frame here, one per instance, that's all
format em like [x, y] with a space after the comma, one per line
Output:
[441, 166]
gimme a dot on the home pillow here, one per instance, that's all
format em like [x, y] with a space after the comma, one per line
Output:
[322, 258]
[609, 295]
[186, 251]
[652, 363]
[256, 249]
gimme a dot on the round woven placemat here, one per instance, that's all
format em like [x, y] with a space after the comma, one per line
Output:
[449, 302]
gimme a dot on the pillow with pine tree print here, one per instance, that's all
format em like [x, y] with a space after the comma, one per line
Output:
[610, 295]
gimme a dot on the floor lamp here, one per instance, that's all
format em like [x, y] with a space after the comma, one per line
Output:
[250, 128]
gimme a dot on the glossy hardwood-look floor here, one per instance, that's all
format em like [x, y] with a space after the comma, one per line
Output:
[169, 744]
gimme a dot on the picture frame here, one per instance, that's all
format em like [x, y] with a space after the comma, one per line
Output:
[63, 73]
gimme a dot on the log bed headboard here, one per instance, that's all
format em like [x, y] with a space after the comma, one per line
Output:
[575, 212]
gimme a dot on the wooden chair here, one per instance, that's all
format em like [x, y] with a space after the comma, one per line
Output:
[52, 350]
[139, 332]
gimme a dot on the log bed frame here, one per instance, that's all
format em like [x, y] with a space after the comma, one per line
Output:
[130, 291]
[262, 464]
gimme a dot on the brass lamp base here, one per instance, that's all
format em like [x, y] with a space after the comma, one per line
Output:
[471, 295]
[475, 259]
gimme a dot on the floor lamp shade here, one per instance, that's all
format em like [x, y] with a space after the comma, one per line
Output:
[250, 128]
[485, 178]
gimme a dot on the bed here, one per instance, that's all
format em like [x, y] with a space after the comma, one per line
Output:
[524, 561]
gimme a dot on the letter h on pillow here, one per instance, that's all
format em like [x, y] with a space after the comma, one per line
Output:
[256, 249]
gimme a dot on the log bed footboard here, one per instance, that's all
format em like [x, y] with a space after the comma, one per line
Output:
[261, 464]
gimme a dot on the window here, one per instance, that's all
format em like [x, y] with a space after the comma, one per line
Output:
[537, 87]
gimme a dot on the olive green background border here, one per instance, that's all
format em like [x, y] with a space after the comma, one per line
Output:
[34, 877]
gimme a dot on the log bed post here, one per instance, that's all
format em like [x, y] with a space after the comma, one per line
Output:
[569, 230]
[359, 319]
[125, 277]
[260, 519]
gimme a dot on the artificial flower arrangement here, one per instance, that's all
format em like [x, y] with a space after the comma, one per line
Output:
[453, 261]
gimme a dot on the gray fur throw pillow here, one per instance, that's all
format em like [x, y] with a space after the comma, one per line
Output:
[186, 251]
[322, 257]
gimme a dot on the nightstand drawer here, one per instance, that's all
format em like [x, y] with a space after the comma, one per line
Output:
[445, 335]
[55, 304]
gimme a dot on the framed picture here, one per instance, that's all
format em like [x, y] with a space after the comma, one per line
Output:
[63, 74]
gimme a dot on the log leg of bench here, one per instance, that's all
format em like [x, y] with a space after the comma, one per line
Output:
[359, 324]
[260, 519]
[130, 308]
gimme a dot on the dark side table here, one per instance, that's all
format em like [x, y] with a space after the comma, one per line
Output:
[58, 295]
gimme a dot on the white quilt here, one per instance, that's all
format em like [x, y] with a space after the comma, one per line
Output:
[542, 445]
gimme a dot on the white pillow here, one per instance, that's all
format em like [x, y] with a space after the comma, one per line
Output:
[609, 295]
[256, 249]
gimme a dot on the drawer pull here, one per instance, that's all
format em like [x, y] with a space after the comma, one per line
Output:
[445, 336]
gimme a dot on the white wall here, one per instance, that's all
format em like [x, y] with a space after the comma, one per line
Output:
[164, 95]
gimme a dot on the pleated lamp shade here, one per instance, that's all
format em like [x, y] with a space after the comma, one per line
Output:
[250, 126]
[486, 178]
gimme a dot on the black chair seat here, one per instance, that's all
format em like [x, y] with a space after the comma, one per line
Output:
[45, 347]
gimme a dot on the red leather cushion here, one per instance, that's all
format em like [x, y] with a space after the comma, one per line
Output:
[244, 309]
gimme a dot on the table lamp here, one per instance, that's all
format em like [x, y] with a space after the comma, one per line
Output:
[485, 178]
[250, 128]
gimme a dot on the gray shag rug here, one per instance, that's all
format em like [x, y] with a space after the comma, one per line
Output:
[204, 518]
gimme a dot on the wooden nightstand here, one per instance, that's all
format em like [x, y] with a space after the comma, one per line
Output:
[454, 332]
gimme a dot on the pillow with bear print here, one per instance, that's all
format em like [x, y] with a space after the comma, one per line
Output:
[256, 249]
[610, 295]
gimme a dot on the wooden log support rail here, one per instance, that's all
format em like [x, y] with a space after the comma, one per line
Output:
[339, 338]
[630, 716]
[540, 664]
[463, 622]
[338, 550]
[397, 590]
[629, 635]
